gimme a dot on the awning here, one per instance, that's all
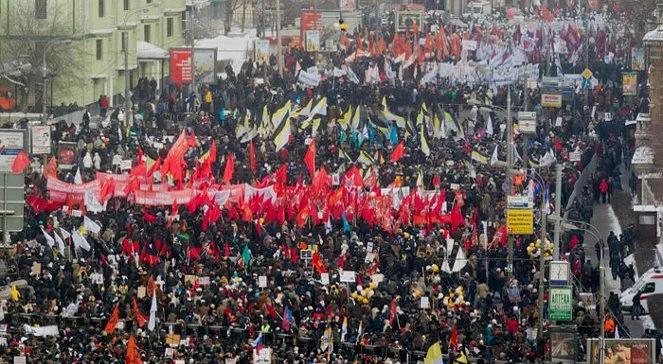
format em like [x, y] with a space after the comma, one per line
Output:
[145, 50]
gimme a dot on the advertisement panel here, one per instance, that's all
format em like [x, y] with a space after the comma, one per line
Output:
[312, 40]
[262, 50]
[561, 303]
[407, 19]
[630, 83]
[180, 65]
[551, 100]
[205, 61]
[638, 59]
[310, 20]
[41, 139]
[563, 344]
[66, 155]
[623, 351]
[12, 141]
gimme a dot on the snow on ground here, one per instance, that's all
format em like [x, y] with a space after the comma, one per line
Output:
[232, 47]
[612, 285]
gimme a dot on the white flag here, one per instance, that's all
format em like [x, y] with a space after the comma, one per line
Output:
[79, 241]
[92, 204]
[60, 242]
[153, 313]
[460, 262]
[49, 239]
[91, 225]
[489, 127]
[77, 178]
[494, 158]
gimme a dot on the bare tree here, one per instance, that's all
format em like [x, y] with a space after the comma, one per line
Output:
[33, 42]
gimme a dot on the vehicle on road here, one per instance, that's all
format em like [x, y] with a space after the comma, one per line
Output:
[649, 284]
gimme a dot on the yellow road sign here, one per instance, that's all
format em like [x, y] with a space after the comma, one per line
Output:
[520, 221]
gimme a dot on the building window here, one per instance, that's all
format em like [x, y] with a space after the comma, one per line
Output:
[102, 9]
[169, 27]
[126, 4]
[146, 33]
[40, 9]
[124, 40]
[100, 49]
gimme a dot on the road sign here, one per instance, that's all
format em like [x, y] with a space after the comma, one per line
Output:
[520, 221]
[519, 202]
[561, 303]
[587, 74]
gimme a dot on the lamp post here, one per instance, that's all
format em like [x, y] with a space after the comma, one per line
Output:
[44, 75]
[568, 224]
[125, 41]
[542, 257]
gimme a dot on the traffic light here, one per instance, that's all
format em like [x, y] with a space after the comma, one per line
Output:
[341, 25]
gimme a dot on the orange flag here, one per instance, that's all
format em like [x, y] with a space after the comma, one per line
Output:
[113, 320]
[20, 162]
[132, 356]
[140, 319]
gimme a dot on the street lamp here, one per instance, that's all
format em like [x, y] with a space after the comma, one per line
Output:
[125, 41]
[542, 257]
[568, 224]
[44, 75]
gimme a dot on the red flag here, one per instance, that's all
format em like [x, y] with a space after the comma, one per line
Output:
[252, 157]
[149, 218]
[20, 162]
[453, 340]
[226, 250]
[309, 158]
[398, 152]
[230, 169]
[113, 320]
[132, 356]
[140, 319]
[302, 216]
[140, 154]
[393, 311]
[155, 167]
[456, 217]
[212, 152]
[317, 263]
[139, 170]
[133, 185]
[281, 175]
[51, 169]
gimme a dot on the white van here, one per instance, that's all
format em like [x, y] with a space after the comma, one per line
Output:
[476, 9]
[650, 283]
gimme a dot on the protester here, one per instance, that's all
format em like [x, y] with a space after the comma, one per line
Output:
[352, 214]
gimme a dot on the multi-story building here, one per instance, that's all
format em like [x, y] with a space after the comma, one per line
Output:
[95, 31]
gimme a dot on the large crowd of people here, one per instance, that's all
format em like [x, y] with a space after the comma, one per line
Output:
[351, 212]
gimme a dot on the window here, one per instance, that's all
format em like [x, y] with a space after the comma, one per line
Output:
[102, 9]
[146, 33]
[40, 9]
[649, 287]
[169, 27]
[124, 40]
[100, 49]
[126, 4]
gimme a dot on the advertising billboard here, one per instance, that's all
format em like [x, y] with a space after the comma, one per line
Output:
[180, 65]
[12, 141]
[622, 351]
[204, 60]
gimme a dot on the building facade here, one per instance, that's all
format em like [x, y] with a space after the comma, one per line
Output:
[94, 32]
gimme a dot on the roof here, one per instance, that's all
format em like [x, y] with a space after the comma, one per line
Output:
[145, 50]
[654, 36]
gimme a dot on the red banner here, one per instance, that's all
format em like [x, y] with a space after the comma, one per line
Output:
[310, 20]
[180, 65]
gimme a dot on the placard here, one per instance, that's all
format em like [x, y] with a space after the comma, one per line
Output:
[312, 40]
[262, 281]
[36, 269]
[424, 303]
[551, 100]
[12, 142]
[607, 116]
[347, 276]
[574, 156]
[20, 359]
[141, 292]
[125, 164]
[630, 83]
[324, 278]
[638, 59]
[336, 179]
[262, 50]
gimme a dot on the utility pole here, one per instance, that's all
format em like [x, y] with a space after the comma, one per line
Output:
[127, 98]
[193, 49]
[509, 169]
[542, 262]
[279, 56]
[44, 117]
[558, 210]
[586, 91]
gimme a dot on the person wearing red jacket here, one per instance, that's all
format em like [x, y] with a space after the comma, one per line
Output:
[603, 188]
